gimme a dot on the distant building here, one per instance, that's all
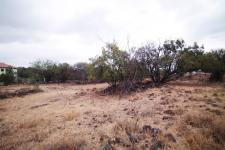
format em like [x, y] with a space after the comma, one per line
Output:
[4, 67]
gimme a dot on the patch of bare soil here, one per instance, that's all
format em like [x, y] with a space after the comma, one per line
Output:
[67, 116]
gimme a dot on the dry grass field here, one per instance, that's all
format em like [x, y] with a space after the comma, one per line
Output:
[179, 115]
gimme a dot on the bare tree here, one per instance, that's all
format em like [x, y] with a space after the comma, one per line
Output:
[160, 61]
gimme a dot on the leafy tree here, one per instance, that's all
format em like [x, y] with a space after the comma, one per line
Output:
[44, 70]
[64, 72]
[113, 65]
[214, 62]
[191, 58]
[81, 71]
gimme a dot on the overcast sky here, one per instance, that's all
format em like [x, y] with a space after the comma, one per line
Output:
[72, 31]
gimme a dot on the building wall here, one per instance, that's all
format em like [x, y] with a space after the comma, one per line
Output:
[2, 71]
[15, 72]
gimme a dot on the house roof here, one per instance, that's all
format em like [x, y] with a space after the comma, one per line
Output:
[3, 65]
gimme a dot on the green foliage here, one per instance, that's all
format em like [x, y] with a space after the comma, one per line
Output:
[113, 66]
[7, 78]
[80, 71]
[118, 67]
[214, 62]
[63, 72]
[191, 58]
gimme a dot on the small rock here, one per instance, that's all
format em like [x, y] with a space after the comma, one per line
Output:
[170, 112]
[167, 118]
[152, 94]
[214, 105]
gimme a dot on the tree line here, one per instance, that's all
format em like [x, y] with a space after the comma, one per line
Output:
[125, 69]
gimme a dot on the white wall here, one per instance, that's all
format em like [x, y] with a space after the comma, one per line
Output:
[2, 71]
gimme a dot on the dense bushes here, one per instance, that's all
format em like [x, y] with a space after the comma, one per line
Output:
[160, 63]
[48, 71]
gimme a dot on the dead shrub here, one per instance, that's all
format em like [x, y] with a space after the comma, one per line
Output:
[129, 134]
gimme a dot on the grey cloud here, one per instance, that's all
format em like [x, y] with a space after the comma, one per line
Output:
[18, 14]
[35, 26]
[90, 26]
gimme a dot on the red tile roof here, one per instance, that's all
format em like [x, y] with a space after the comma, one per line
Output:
[3, 65]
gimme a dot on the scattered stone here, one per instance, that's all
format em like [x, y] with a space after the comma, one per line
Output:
[214, 105]
[94, 89]
[101, 139]
[152, 94]
[165, 102]
[187, 92]
[125, 109]
[167, 118]
[162, 98]
[169, 112]
[215, 94]
[207, 109]
[116, 140]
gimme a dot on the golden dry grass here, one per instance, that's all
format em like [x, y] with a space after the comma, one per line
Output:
[207, 131]
[31, 123]
[70, 116]
[67, 143]
[188, 117]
